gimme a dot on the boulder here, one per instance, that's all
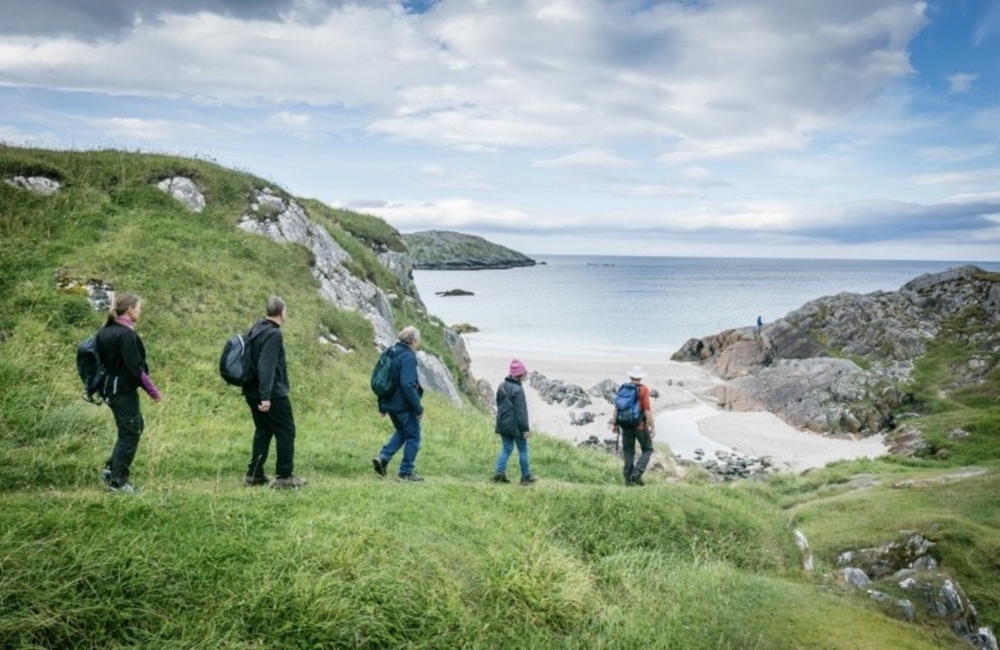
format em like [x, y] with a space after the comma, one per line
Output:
[184, 190]
[39, 185]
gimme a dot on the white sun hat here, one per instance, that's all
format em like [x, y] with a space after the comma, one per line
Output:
[636, 373]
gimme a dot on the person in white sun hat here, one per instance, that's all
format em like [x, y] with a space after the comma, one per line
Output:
[633, 420]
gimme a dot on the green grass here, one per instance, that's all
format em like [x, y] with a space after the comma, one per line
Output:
[352, 560]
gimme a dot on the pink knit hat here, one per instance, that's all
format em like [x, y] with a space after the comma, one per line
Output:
[516, 368]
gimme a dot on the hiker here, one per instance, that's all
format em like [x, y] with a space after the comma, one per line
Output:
[266, 394]
[760, 323]
[642, 431]
[124, 356]
[403, 407]
[512, 424]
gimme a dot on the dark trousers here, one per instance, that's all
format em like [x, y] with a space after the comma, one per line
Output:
[128, 419]
[629, 438]
[277, 423]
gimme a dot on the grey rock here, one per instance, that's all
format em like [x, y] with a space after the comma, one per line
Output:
[854, 576]
[35, 184]
[434, 375]
[184, 190]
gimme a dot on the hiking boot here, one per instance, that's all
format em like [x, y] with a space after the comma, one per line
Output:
[287, 482]
[124, 488]
[379, 465]
[412, 478]
[529, 479]
[106, 476]
[254, 481]
[637, 480]
[500, 477]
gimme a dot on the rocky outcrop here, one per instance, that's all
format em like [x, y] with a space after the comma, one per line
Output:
[184, 190]
[905, 575]
[40, 185]
[837, 364]
[444, 250]
[284, 220]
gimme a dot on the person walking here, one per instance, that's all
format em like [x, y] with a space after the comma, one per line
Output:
[267, 396]
[124, 356]
[512, 424]
[404, 408]
[642, 431]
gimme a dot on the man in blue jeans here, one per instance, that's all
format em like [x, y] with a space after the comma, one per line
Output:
[403, 407]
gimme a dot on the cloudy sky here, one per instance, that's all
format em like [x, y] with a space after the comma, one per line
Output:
[764, 128]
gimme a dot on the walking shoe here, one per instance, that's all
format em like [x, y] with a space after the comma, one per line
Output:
[254, 481]
[412, 478]
[637, 480]
[379, 465]
[529, 479]
[106, 476]
[500, 477]
[287, 482]
[628, 482]
[124, 488]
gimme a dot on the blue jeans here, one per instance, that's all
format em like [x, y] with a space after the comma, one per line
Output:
[407, 437]
[522, 454]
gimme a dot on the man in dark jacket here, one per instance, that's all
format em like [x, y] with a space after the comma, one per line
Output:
[403, 407]
[267, 396]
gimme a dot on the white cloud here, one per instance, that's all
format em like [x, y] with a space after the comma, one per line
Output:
[957, 154]
[975, 176]
[136, 128]
[961, 82]
[588, 158]
[287, 118]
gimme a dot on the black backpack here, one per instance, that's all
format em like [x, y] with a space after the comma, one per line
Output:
[384, 380]
[627, 405]
[235, 365]
[90, 369]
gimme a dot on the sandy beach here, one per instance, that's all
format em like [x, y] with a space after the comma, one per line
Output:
[687, 418]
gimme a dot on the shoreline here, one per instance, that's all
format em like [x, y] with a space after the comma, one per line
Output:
[687, 418]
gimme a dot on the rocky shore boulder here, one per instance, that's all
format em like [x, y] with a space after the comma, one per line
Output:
[445, 250]
[839, 364]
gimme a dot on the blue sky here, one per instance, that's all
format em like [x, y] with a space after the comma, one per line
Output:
[786, 128]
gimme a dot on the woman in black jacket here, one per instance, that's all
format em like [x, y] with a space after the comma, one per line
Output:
[124, 358]
[512, 424]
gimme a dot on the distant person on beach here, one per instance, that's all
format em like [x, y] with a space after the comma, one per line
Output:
[512, 424]
[403, 407]
[760, 323]
[124, 356]
[267, 396]
[640, 428]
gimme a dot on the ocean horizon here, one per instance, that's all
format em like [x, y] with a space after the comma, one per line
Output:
[573, 304]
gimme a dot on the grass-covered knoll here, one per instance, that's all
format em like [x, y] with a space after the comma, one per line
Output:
[198, 561]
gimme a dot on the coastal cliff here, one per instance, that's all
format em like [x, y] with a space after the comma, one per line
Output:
[842, 364]
[441, 250]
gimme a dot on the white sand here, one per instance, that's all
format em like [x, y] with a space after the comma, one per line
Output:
[686, 417]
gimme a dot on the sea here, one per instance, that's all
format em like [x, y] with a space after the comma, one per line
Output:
[572, 304]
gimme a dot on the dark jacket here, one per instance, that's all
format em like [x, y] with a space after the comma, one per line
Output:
[407, 396]
[267, 353]
[124, 358]
[512, 409]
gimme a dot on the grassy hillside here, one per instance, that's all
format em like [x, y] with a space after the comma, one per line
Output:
[354, 561]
